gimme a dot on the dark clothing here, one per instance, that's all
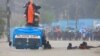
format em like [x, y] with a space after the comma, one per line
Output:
[85, 46]
[35, 23]
[47, 45]
[70, 46]
[43, 38]
[82, 46]
[10, 43]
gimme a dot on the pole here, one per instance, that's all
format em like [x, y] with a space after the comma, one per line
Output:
[8, 20]
[67, 15]
[76, 21]
[76, 17]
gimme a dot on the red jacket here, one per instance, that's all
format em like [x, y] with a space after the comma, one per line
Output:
[31, 13]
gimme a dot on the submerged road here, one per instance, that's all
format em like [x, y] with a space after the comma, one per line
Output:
[59, 50]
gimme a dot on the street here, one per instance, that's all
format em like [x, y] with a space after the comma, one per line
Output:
[60, 49]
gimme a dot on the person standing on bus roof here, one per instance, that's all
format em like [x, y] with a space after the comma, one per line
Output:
[31, 13]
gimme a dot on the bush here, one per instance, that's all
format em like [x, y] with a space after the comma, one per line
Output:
[2, 24]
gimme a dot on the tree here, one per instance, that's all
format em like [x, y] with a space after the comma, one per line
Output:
[2, 22]
[97, 11]
[2, 13]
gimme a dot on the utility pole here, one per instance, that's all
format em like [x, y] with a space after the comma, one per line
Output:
[76, 17]
[67, 16]
[76, 20]
[8, 19]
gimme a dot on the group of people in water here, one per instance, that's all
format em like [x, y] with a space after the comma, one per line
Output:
[83, 45]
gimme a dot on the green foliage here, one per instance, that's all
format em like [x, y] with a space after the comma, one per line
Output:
[2, 23]
[2, 12]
